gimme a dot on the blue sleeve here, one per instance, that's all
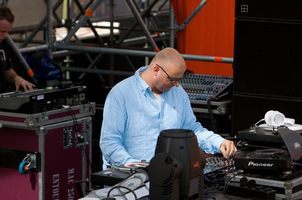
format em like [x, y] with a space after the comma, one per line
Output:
[208, 141]
[113, 128]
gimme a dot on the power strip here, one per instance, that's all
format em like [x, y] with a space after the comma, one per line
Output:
[256, 191]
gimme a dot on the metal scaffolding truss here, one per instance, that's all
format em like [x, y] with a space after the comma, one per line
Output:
[71, 43]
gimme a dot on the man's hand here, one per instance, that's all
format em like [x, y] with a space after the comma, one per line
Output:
[227, 149]
[20, 82]
[12, 77]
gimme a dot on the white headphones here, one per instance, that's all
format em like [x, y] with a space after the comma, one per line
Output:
[276, 118]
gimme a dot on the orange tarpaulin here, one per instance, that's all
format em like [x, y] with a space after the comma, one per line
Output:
[209, 33]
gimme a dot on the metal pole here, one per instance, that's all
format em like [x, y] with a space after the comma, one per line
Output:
[49, 28]
[153, 3]
[111, 56]
[68, 23]
[21, 58]
[40, 26]
[88, 14]
[92, 62]
[142, 24]
[98, 38]
[146, 4]
[140, 53]
[101, 71]
[187, 21]
[34, 48]
[172, 21]
[161, 5]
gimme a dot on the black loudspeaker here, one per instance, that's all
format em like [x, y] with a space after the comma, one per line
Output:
[266, 59]
[267, 69]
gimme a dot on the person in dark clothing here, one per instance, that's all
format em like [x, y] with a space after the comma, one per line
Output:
[7, 74]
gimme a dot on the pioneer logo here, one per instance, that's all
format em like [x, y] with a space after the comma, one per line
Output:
[252, 164]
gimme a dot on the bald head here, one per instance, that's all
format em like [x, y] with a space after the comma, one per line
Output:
[164, 71]
[170, 58]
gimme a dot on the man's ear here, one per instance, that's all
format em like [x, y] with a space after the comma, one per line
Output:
[155, 69]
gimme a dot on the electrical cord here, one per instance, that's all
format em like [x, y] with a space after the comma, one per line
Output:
[219, 182]
[214, 127]
[120, 186]
[74, 119]
[77, 130]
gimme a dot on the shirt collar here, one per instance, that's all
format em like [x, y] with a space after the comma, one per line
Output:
[144, 87]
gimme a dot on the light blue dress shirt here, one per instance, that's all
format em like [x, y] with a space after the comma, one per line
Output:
[132, 121]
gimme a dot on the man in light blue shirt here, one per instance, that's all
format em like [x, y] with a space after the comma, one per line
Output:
[138, 108]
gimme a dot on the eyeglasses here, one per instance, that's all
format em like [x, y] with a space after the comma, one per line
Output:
[173, 80]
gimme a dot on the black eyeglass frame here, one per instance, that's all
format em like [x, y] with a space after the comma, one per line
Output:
[173, 80]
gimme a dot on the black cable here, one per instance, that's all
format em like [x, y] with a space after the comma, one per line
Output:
[120, 186]
[221, 183]
[92, 131]
[77, 130]
[211, 115]
[87, 157]
[74, 119]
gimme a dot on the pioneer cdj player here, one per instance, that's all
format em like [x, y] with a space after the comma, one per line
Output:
[266, 152]
[263, 161]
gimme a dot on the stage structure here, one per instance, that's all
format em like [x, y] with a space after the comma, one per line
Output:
[118, 43]
[91, 37]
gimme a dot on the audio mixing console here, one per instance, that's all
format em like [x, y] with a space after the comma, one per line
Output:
[208, 93]
[204, 87]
